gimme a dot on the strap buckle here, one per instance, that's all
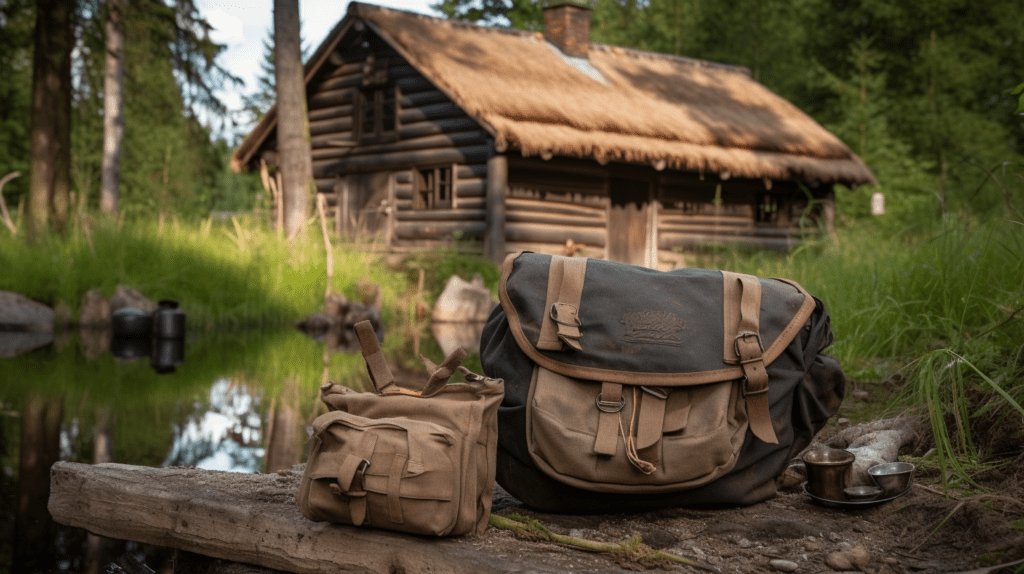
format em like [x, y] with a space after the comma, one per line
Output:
[744, 335]
[576, 316]
[609, 406]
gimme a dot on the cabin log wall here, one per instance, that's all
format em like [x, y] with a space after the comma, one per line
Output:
[431, 131]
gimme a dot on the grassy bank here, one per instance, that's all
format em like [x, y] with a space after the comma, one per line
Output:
[224, 274]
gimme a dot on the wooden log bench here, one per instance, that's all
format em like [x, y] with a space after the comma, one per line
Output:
[249, 518]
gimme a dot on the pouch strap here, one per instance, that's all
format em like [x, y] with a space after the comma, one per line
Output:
[742, 302]
[353, 466]
[376, 364]
[561, 321]
[609, 403]
[441, 373]
[652, 417]
[398, 463]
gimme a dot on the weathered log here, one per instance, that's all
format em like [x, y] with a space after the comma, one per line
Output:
[669, 241]
[535, 205]
[335, 126]
[400, 160]
[439, 229]
[541, 219]
[423, 98]
[441, 215]
[249, 518]
[465, 203]
[436, 127]
[555, 234]
[440, 141]
[326, 113]
[414, 84]
[341, 95]
[430, 112]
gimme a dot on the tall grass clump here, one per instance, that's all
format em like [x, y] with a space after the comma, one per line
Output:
[224, 274]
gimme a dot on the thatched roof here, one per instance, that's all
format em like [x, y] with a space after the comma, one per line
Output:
[632, 106]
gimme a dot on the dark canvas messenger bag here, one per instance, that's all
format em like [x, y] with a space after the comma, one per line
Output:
[630, 388]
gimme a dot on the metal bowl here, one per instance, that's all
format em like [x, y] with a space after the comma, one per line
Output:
[892, 477]
[858, 493]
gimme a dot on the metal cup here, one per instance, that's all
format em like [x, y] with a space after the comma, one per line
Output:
[829, 471]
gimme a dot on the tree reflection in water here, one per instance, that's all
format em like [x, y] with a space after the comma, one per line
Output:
[225, 434]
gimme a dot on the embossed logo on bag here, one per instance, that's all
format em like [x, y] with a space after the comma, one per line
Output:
[655, 327]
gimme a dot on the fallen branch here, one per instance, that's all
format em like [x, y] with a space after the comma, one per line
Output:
[632, 551]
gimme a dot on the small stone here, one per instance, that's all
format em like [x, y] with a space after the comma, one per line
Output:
[834, 536]
[890, 561]
[844, 545]
[860, 395]
[744, 543]
[843, 421]
[659, 538]
[784, 565]
[576, 533]
[859, 556]
[839, 561]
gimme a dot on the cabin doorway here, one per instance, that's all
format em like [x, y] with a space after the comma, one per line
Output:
[629, 222]
[361, 200]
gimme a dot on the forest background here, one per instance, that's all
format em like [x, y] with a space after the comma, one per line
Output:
[921, 91]
[928, 94]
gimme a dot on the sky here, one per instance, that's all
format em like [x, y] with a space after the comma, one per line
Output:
[242, 25]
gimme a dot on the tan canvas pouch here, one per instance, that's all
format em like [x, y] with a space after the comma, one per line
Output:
[418, 461]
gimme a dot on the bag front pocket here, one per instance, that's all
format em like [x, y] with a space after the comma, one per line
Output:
[394, 473]
[633, 438]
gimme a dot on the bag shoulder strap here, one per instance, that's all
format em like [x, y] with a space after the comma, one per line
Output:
[741, 298]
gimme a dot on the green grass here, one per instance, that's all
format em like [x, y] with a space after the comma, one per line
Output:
[224, 275]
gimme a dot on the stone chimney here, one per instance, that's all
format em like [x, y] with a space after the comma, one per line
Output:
[567, 26]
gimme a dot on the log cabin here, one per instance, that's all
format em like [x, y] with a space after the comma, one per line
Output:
[426, 130]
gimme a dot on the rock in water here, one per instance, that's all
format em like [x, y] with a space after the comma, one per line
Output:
[20, 313]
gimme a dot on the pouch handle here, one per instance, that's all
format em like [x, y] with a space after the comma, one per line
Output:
[376, 364]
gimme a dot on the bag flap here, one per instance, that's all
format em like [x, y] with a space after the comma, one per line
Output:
[608, 321]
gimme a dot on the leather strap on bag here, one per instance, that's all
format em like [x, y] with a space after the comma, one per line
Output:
[376, 364]
[742, 308]
[561, 322]
[352, 467]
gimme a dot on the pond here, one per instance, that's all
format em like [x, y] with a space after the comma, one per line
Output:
[238, 402]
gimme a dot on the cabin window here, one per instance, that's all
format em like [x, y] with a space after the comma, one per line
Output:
[435, 188]
[767, 208]
[378, 114]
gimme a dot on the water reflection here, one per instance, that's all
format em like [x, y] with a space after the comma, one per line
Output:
[240, 403]
[224, 433]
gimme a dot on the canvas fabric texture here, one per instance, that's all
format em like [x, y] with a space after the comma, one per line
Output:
[629, 388]
[417, 461]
